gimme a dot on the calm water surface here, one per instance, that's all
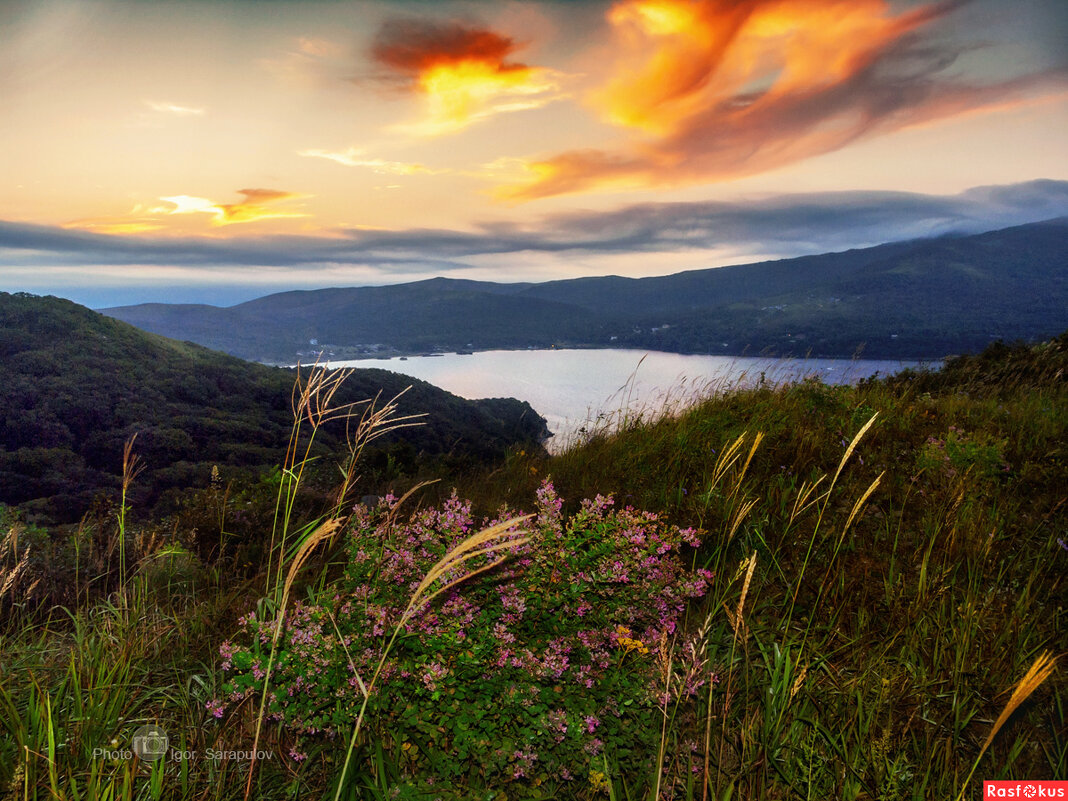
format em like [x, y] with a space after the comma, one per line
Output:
[577, 389]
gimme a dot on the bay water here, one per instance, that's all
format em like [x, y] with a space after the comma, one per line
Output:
[578, 391]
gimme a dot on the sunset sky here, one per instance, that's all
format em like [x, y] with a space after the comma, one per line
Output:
[218, 151]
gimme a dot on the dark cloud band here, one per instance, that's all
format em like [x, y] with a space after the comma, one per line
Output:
[788, 225]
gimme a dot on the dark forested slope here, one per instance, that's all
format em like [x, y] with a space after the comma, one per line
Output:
[77, 384]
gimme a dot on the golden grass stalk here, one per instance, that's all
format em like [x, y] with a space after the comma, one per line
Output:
[9, 577]
[799, 681]
[312, 402]
[743, 511]
[708, 715]
[483, 543]
[745, 467]
[727, 458]
[131, 468]
[1040, 670]
[325, 531]
[392, 516]
[132, 465]
[800, 505]
[849, 451]
[664, 723]
[804, 499]
[861, 501]
[374, 422]
[737, 619]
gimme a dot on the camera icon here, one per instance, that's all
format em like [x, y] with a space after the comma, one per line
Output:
[150, 743]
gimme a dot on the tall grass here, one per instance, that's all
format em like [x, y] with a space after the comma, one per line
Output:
[131, 468]
[313, 407]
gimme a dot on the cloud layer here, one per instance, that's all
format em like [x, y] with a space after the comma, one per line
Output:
[784, 226]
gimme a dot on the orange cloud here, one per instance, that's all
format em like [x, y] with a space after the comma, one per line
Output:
[719, 89]
[463, 72]
[257, 205]
[254, 207]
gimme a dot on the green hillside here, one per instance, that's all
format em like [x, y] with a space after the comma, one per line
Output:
[78, 384]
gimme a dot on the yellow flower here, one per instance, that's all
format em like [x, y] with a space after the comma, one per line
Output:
[627, 643]
[598, 781]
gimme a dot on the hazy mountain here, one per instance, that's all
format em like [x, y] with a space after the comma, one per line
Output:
[918, 298]
[77, 384]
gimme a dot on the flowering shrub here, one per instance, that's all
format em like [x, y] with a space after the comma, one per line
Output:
[527, 671]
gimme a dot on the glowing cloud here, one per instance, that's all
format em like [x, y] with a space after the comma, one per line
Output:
[175, 109]
[463, 73]
[254, 207]
[720, 89]
[354, 157]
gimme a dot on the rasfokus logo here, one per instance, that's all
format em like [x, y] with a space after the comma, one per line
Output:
[1025, 789]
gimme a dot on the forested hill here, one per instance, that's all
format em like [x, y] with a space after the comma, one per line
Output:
[922, 298]
[77, 384]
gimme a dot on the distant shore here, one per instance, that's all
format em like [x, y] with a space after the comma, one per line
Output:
[346, 354]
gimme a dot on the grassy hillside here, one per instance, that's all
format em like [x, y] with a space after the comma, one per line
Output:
[78, 384]
[918, 299]
[831, 596]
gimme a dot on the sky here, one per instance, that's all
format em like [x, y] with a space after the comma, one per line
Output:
[214, 151]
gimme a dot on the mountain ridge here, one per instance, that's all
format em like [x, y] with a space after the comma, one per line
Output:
[917, 298]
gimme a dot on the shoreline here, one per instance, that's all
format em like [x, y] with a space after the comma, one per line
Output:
[333, 357]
